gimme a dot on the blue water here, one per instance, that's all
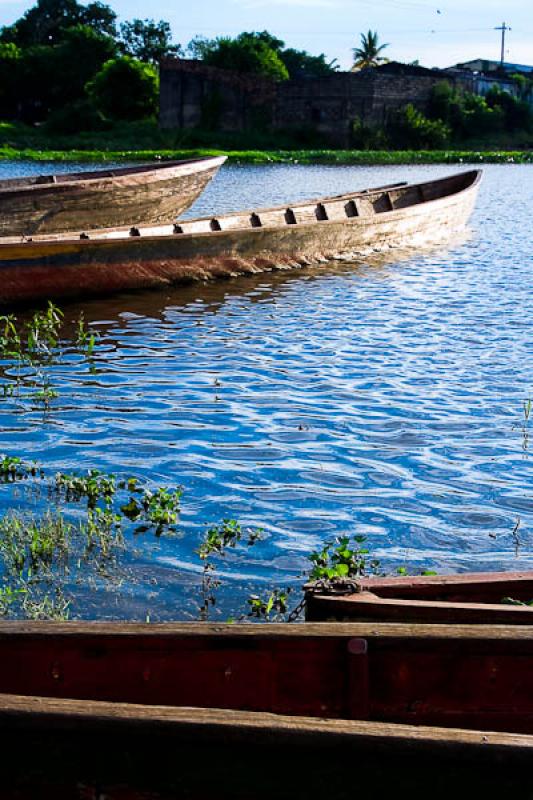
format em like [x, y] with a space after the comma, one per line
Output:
[383, 397]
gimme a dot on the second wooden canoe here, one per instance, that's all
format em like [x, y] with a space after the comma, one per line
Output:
[312, 232]
[497, 598]
[153, 193]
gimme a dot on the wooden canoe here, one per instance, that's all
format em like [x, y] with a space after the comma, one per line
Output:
[342, 227]
[469, 598]
[170, 710]
[102, 198]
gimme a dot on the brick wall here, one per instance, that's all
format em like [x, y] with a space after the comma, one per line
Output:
[194, 95]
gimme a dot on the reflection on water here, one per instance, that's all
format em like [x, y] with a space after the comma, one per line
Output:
[380, 397]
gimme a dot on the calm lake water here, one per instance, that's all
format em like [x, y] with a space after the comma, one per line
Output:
[382, 398]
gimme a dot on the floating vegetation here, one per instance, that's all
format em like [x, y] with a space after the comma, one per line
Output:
[159, 508]
[29, 349]
[309, 156]
[44, 557]
[217, 540]
[340, 559]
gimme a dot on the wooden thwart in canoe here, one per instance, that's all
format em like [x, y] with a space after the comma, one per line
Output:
[102, 198]
[104, 261]
[468, 598]
[165, 707]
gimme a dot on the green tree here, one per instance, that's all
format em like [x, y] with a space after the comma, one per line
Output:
[125, 89]
[517, 113]
[410, 129]
[46, 22]
[369, 53]
[10, 60]
[51, 78]
[248, 52]
[301, 64]
[148, 40]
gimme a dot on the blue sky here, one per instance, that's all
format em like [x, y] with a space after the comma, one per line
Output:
[438, 33]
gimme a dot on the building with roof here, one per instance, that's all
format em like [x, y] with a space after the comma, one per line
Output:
[486, 66]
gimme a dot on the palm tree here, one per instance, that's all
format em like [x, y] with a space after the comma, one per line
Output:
[368, 55]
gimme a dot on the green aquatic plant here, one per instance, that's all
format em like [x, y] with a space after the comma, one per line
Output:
[30, 348]
[14, 468]
[217, 539]
[342, 559]
[85, 337]
[273, 608]
[29, 545]
[94, 486]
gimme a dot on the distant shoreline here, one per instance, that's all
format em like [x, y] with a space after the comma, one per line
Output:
[310, 156]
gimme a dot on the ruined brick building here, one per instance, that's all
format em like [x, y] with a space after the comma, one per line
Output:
[195, 95]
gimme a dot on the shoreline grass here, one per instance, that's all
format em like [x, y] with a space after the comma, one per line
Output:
[311, 156]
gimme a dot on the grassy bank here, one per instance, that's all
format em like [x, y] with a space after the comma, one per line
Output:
[144, 141]
[340, 157]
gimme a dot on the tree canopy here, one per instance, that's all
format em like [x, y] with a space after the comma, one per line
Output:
[46, 22]
[125, 89]
[260, 53]
[148, 40]
[248, 52]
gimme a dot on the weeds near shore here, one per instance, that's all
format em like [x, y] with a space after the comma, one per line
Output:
[30, 349]
[217, 540]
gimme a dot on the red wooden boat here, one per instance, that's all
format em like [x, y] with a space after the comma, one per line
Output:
[469, 598]
[254, 711]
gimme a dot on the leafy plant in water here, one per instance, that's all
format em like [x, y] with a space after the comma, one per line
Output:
[217, 539]
[13, 468]
[103, 532]
[49, 606]
[8, 597]
[273, 609]
[42, 333]
[94, 486]
[85, 338]
[339, 560]
[33, 347]
[160, 508]
[30, 546]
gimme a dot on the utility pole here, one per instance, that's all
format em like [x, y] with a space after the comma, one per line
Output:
[503, 28]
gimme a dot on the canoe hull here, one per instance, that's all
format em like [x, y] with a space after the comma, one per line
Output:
[467, 598]
[66, 749]
[144, 711]
[69, 267]
[154, 195]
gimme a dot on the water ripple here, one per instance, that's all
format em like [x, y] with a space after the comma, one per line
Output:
[382, 398]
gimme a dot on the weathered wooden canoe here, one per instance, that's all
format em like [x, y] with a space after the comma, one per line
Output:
[469, 598]
[102, 198]
[104, 261]
[142, 711]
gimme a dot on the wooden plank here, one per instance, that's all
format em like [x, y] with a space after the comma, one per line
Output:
[270, 218]
[475, 586]
[31, 711]
[119, 751]
[11, 630]
[337, 210]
